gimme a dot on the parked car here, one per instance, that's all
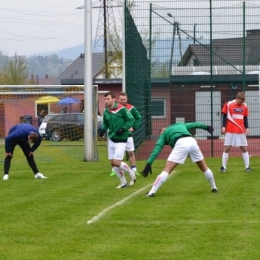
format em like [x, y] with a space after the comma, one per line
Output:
[43, 125]
[66, 125]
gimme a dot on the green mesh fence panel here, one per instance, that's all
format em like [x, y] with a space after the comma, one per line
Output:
[137, 76]
[201, 54]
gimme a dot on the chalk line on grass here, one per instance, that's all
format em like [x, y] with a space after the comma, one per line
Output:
[121, 202]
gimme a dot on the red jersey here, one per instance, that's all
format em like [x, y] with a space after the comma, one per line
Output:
[235, 117]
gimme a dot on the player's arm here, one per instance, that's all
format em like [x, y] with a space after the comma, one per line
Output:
[155, 152]
[137, 117]
[105, 123]
[224, 120]
[129, 119]
[246, 125]
[104, 126]
[37, 144]
[195, 125]
[246, 122]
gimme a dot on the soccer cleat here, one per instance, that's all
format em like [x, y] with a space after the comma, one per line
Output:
[132, 180]
[222, 169]
[39, 176]
[112, 174]
[122, 185]
[152, 195]
[6, 177]
[248, 169]
[214, 190]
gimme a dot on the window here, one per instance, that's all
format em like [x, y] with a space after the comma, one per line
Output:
[158, 107]
[80, 118]
[195, 62]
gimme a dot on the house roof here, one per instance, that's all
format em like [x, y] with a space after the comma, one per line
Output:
[76, 69]
[225, 51]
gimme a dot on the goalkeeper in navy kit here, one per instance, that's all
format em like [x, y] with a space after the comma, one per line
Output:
[22, 135]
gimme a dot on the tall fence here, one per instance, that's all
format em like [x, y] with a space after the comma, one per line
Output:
[201, 54]
[137, 76]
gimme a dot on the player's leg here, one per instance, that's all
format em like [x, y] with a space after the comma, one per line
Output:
[162, 177]
[246, 158]
[7, 162]
[118, 165]
[130, 148]
[242, 143]
[177, 156]
[121, 176]
[25, 146]
[208, 174]
[197, 156]
[119, 155]
[228, 143]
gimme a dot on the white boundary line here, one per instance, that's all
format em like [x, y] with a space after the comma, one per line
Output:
[121, 202]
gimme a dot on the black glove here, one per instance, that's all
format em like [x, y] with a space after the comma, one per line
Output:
[101, 132]
[147, 169]
[120, 131]
[210, 129]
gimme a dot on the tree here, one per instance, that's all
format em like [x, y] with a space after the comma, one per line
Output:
[14, 72]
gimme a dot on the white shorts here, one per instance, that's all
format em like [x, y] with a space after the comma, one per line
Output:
[235, 139]
[185, 146]
[130, 147]
[116, 150]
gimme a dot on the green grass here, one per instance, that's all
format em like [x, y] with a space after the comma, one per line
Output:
[47, 219]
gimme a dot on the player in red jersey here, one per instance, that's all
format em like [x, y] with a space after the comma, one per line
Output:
[235, 127]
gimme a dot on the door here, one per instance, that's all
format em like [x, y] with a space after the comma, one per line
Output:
[205, 109]
[252, 101]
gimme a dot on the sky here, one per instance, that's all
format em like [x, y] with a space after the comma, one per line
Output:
[30, 27]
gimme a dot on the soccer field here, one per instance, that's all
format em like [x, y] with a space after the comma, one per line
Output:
[48, 218]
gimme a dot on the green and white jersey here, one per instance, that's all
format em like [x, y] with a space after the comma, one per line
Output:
[170, 136]
[116, 118]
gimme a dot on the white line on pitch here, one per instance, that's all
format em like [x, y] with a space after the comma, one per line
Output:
[121, 202]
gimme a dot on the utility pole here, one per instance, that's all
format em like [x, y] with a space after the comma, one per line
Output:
[194, 33]
[176, 31]
[105, 37]
[106, 29]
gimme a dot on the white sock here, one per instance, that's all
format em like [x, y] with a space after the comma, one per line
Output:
[246, 159]
[120, 174]
[210, 177]
[224, 160]
[134, 169]
[126, 168]
[159, 181]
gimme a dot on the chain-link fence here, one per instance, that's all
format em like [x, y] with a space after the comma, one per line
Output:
[201, 54]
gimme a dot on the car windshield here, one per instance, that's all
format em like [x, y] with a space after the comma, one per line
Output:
[48, 117]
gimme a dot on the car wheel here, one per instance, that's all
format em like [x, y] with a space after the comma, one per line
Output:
[56, 135]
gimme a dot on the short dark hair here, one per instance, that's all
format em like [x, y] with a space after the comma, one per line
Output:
[241, 96]
[122, 94]
[109, 93]
[34, 137]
